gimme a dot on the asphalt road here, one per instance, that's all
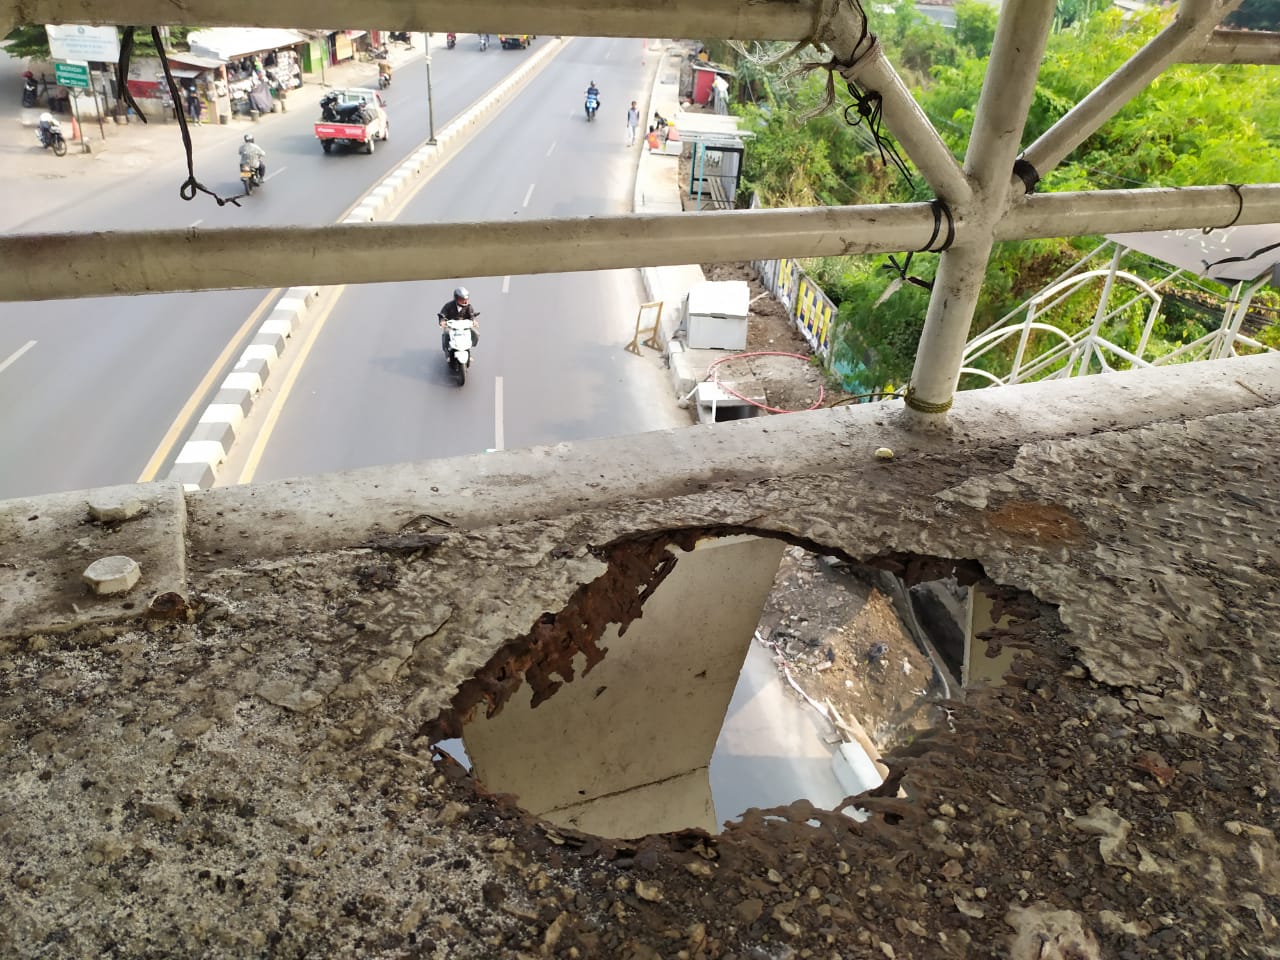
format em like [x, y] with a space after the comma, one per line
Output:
[90, 387]
[551, 365]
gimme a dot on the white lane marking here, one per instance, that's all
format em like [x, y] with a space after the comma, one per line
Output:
[195, 223]
[506, 284]
[274, 172]
[529, 194]
[498, 439]
[608, 55]
[550, 148]
[16, 354]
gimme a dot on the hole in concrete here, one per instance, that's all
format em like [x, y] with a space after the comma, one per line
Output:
[759, 674]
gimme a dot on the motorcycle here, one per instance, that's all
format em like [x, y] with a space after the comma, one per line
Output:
[401, 36]
[384, 81]
[251, 177]
[459, 352]
[484, 42]
[592, 105]
[49, 134]
[29, 89]
[450, 40]
[379, 53]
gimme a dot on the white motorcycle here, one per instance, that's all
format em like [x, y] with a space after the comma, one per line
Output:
[460, 346]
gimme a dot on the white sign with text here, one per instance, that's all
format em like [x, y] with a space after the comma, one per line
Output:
[71, 41]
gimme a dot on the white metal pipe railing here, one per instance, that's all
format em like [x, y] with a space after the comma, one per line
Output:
[35, 266]
[1185, 37]
[758, 20]
[911, 127]
[1021, 33]
[1240, 46]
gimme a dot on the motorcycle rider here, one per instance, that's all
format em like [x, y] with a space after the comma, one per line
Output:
[252, 155]
[44, 129]
[459, 308]
[384, 73]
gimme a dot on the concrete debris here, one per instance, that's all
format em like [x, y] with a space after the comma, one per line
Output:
[112, 575]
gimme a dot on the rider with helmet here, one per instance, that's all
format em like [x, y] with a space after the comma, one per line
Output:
[459, 308]
[44, 129]
[252, 155]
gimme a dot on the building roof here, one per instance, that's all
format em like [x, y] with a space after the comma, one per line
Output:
[228, 43]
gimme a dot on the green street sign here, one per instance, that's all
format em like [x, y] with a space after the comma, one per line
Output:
[71, 74]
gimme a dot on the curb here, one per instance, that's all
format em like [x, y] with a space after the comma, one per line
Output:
[209, 443]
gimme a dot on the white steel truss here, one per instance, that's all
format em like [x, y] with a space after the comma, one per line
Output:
[1089, 350]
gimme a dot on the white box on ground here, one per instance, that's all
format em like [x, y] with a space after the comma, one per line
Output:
[716, 314]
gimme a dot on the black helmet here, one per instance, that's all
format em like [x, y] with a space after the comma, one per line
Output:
[460, 293]
[248, 138]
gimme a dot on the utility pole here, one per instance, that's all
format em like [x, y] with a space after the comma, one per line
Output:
[431, 113]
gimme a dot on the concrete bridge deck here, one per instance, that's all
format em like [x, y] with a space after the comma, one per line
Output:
[234, 758]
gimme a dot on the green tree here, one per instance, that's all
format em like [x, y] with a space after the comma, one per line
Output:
[975, 27]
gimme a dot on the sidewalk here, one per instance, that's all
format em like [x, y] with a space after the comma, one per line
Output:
[36, 181]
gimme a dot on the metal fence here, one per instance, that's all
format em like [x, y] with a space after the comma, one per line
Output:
[809, 308]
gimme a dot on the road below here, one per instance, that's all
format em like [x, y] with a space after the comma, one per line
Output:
[551, 366]
[99, 381]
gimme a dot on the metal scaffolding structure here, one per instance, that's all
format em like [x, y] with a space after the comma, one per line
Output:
[986, 199]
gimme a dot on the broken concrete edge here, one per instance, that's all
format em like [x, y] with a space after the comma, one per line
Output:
[334, 509]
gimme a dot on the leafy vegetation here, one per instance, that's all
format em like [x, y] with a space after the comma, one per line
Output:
[1194, 125]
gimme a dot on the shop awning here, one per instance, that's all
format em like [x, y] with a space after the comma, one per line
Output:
[192, 61]
[231, 43]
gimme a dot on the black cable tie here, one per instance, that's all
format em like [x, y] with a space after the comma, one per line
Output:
[1028, 174]
[939, 209]
[1239, 210]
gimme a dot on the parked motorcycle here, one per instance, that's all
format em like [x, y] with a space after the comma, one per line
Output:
[29, 89]
[484, 42]
[592, 105]
[401, 36]
[459, 352]
[450, 40]
[251, 177]
[379, 53]
[49, 134]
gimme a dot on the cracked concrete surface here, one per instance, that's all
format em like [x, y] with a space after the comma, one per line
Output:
[240, 763]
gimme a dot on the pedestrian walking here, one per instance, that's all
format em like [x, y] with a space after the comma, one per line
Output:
[633, 122]
[194, 106]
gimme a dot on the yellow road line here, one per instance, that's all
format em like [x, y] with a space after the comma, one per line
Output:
[286, 386]
[189, 408]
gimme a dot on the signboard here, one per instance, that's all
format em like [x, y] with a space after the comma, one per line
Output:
[71, 74]
[70, 41]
